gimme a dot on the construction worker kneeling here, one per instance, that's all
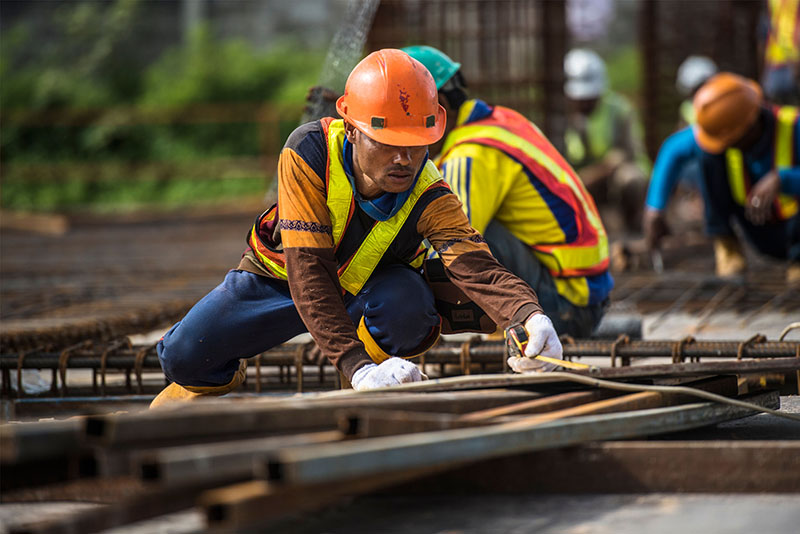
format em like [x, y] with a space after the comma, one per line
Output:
[340, 254]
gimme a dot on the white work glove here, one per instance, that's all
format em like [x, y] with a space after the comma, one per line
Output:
[390, 372]
[542, 340]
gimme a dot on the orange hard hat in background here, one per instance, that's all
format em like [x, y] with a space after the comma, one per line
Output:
[726, 106]
[392, 99]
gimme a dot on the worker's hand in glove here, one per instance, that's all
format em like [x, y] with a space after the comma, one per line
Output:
[542, 340]
[390, 372]
[542, 337]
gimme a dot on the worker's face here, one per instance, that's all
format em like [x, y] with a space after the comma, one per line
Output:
[584, 106]
[383, 168]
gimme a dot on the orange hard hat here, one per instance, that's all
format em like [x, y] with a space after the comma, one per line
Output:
[392, 99]
[726, 106]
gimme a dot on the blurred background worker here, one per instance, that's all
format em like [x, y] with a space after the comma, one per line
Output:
[750, 157]
[522, 195]
[603, 138]
[692, 74]
[679, 156]
[781, 74]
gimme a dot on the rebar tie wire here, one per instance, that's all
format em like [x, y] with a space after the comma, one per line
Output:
[757, 338]
[792, 326]
[621, 340]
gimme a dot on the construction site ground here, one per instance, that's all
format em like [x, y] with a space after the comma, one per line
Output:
[96, 268]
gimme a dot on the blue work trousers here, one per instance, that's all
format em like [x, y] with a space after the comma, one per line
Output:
[516, 256]
[248, 314]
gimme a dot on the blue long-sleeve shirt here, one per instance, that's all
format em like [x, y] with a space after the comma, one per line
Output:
[680, 149]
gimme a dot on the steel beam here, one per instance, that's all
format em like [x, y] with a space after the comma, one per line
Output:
[327, 463]
[228, 420]
[29, 442]
[228, 460]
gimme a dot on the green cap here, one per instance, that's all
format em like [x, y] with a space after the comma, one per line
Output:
[440, 66]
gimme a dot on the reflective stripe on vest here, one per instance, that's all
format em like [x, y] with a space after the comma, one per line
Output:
[786, 206]
[356, 270]
[516, 136]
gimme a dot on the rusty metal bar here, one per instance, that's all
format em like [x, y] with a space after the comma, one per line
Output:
[602, 401]
[317, 464]
[639, 372]
[372, 423]
[545, 404]
[228, 460]
[25, 442]
[153, 502]
[221, 420]
[444, 352]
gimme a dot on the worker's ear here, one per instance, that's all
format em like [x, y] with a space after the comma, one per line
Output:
[350, 132]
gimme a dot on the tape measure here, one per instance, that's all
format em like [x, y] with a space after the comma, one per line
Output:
[516, 340]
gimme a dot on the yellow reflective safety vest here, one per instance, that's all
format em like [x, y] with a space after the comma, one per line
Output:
[511, 133]
[783, 41]
[786, 206]
[355, 270]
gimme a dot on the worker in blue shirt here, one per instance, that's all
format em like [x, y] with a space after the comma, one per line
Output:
[750, 160]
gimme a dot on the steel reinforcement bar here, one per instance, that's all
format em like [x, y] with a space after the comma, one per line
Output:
[445, 352]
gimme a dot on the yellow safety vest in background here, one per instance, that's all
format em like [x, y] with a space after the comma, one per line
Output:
[786, 205]
[356, 270]
[783, 41]
[514, 135]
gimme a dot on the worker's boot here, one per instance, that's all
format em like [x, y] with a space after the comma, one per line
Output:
[175, 393]
[793, 273]
[729, 257]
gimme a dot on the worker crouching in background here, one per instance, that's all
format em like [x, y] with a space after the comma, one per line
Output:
[339, 255]
[604, 140]
[527, 201]
[750, 160]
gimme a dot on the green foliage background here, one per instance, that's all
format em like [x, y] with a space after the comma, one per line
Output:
[92, 64]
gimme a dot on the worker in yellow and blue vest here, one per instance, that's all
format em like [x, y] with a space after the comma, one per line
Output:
[781, 76]
[750, 156]
[340, 255]
[523, 196]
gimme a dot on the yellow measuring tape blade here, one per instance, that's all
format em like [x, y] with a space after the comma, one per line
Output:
[564, 363]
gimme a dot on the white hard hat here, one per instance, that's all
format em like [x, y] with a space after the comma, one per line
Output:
[585, 74]
[693, 73]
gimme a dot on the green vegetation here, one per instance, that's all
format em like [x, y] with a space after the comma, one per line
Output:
[625, 71]
[90, 122]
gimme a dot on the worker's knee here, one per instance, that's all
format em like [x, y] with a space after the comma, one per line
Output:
[178, 359]
[185, 359]
[399, 310]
